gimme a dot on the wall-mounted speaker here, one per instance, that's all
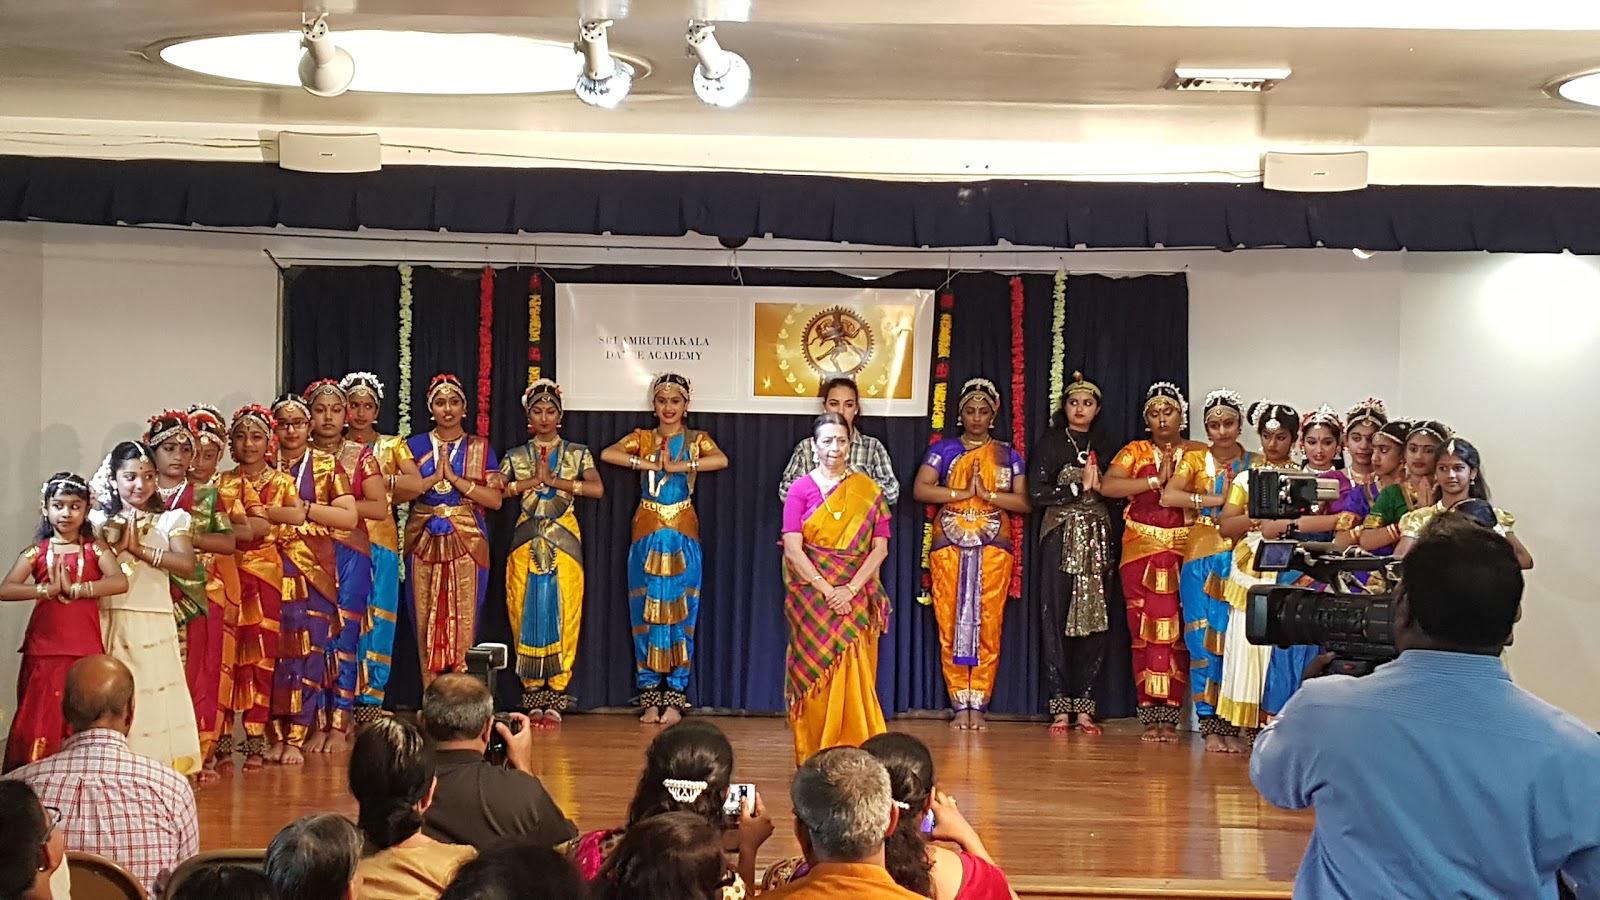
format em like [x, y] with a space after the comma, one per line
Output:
[341, 154]
[1314, 172]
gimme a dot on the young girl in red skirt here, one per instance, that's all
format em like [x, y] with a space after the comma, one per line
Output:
[69, 571]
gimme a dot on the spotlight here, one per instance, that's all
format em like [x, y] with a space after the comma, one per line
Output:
[1360, 253]
[325, 70]
[605, 80]
[721, 78]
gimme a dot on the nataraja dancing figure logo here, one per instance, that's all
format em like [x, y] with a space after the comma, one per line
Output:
[837, 341]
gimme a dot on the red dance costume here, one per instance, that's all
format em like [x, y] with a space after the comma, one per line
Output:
[60, 633]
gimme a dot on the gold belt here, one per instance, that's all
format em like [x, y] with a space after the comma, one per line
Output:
[1171, 538]
[667, 511]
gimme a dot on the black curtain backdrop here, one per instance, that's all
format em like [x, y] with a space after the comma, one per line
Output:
[466, 200]
[1124, 333]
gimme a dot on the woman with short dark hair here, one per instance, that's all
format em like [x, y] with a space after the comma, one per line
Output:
[672, 856]
[31, 845]
[391, 776]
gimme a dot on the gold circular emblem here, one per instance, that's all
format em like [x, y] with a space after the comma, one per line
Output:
[837, 341]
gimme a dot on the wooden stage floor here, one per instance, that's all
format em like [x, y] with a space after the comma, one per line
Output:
[1054, 811]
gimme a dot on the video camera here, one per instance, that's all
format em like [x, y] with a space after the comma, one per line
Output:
[1358, 628]
[485, 662]
[1288, 495]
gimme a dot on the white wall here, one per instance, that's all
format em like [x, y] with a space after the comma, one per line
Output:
[21, 321]
[160, 319]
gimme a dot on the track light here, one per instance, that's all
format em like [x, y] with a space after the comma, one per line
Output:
[605, 80]
[325, 70]
[721, 78]
[1360, 253]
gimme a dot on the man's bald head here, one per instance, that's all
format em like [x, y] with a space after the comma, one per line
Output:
[99, 695]
[456, 707]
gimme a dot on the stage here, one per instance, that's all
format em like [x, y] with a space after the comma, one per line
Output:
[1065, 816]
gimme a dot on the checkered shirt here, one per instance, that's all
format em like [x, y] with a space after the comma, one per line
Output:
[118, 804]
[867, 455]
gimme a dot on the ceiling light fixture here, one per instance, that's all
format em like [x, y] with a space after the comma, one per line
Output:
[721, 77]
[325, 70]
[1583, 89]
[394, 62]
[604, 80]
[1227, 80]
[1360, 253]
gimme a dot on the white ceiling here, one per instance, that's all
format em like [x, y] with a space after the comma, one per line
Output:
[1437, 92]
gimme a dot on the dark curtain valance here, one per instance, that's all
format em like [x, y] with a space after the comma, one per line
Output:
[815, 208]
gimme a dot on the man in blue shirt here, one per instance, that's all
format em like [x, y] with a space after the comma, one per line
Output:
[1435, 776]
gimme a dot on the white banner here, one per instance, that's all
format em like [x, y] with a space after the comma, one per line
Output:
[744, 349]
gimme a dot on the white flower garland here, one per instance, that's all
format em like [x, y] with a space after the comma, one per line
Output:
[1058, 340]
[405, 351]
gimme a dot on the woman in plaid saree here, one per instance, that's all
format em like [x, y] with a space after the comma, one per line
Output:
[835, 538]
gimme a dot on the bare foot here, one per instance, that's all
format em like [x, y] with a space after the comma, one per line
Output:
[318, 742]
[1231, 744]
[1169, 734]
[536, 716]
[975, 720]
[293, 757]
[1152, 734]
[274, 753]
[652, 715]
[224, 767]
[1087, 724]
[1216, 743]
[959, 720]
[552, 719]
[1062, 724]
[208, 774]
[671, 716]
[254, 764]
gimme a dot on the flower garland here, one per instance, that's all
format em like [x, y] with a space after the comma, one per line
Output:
[936, 421]
[1019, 408]
[535, 328]
[404, 391]
[1058, 340]
[485, 347]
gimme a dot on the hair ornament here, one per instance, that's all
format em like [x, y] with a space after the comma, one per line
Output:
[443, 383]
[902, 806]
[684, 791]
[68, 480]
[980, 387]
[166, 426]
[362, 382]
[323, 386]
[1322, 415]
[1264, 415]
[1221, 401]
[668, 382]
[100, 490]
[1163, 393]
[253, 414]
[1079, 384]
[1437, 430]
[543, 389]
[1394, 431]
[207, 424]
[290, 400]
[1369, 411]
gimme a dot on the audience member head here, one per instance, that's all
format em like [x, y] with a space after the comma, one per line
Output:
[516, 872]
[31, 846]
[843, 807]
[911, 780]
[687, 767]
[456, 709]
[99, 694]
[224, 883]
[1461, 591]
[391, 776]
[672, 856]
[315, 858]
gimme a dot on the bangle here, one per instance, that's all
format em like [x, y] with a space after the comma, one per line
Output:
[75, 592]
[952, 493]
[155, 557]
[512, 487]
[43, 591]
[1195, 499]
[694, 465]
[1155, 483]
[577, 488]
[468, 492]
[634, 462]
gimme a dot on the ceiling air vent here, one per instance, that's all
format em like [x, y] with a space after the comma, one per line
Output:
[1226, 81]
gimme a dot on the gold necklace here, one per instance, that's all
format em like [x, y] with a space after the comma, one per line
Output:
[827, 498]
[975, 443]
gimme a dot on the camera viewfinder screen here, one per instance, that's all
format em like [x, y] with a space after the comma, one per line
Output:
[1274, 556]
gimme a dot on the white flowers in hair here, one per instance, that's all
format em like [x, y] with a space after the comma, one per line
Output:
[684, 791]
[902, 805]
[362, 381]
[100, 491]
[1322, 415]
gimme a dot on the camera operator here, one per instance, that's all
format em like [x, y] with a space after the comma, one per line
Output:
[1435, 776]
[477, 802]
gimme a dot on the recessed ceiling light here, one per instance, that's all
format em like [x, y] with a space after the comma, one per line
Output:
[397, 62]
[1583, 89]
